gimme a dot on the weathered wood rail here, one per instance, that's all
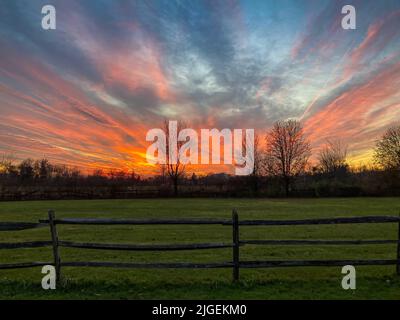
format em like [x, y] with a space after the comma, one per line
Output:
[236, 263]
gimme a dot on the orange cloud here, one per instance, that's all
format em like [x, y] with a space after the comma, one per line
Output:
[354, 115]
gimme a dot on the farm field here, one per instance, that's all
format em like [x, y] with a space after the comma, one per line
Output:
[276, 283]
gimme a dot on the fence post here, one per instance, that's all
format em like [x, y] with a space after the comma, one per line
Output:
[235, 243]
[398, 250]
[54, 238]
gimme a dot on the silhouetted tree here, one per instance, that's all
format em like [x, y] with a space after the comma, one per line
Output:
[7, 165]
[175, 171]
[332, 158]
[43, 169]
[287, 151]
[387, 150]
[26, 170]
[194, 179]
[162, 173]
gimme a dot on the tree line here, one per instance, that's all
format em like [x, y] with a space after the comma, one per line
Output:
[286, 156]
[282, 167]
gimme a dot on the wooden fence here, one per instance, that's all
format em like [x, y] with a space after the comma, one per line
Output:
[236, 263]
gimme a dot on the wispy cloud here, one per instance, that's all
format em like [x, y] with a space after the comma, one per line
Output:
[86, 93]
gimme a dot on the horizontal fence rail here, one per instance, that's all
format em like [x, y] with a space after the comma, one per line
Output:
[314, 263]
[175, 265]
[16, 226]
[139, 221]
[24, 265]
[353, 220]
[236, 263]
[139, 247]
[32, 244]
[317, 242]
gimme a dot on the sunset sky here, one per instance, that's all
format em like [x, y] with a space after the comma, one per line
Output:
[86, 93]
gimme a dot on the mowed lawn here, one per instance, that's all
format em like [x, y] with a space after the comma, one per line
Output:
[274, 283]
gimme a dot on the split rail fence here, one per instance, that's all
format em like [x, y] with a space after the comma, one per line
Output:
[235, 264]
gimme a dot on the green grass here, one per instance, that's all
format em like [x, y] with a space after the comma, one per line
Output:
[276, 283]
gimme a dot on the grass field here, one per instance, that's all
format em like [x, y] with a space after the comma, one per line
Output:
[276, 283]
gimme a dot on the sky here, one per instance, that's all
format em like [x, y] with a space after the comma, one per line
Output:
[86, 93]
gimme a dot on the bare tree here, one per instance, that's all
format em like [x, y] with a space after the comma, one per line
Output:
[7, 164]
[177, 170]
[26, 169]
[287, 151]
[162, 173]
[332, 157]
[43, 169]
[387, 150]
